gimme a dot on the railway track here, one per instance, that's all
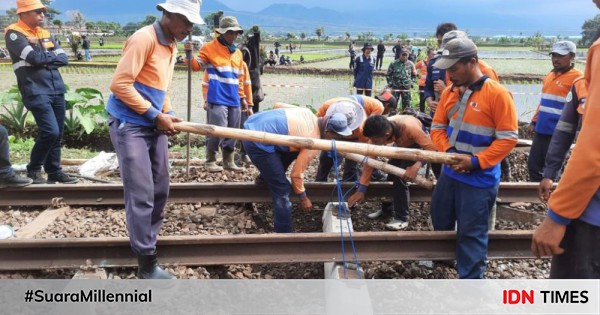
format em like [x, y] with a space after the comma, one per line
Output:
[112, 194]
[36, 254]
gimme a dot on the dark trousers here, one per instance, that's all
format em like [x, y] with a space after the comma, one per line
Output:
[366, 92]
[272, 167]
[401, 194]
[421, 99]
[222, 116]
[6, 169]
[581, 259]
[403, 97]
[326, 163]
[351, 65]
[468, 207]
[379, 62]
[537, 156]
[49, 114]
[144, 165]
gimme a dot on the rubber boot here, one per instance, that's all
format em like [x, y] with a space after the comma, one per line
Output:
[148, 268]
[229, 161]
[211, 162]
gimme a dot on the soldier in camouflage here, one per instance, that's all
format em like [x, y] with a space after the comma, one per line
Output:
[401, 76]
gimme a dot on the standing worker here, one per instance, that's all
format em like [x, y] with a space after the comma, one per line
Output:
[225, 95]
[571, 230]
[476, 117]
[36, 59]
[565, 133]
[363, 71]
[401, 76]
[555, 88]
[140, 120]
[421, 66]
[380, 54]
[273, 160]
[85, 45]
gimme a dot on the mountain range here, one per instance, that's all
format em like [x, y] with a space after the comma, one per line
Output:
[408, 17]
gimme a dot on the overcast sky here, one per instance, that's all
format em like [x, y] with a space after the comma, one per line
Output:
[553, 9]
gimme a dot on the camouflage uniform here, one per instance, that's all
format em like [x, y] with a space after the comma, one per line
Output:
[401, 76]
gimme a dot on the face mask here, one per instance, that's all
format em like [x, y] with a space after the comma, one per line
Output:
[231, 47]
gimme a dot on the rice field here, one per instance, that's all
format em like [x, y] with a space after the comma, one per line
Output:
[310, 90]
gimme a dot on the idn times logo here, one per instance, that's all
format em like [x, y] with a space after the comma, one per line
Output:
[547, 297]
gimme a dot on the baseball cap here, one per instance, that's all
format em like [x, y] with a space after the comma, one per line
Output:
[338, 123]
[454, 50]
[564, 47]
[350, 108]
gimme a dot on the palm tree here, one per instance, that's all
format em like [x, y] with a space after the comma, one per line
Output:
[348, 35]
[319, 32]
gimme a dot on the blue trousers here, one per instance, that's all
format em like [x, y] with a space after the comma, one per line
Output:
[272, 167]
[88, 57]
[6, 169]
[144, 165]
[468, 207]
[223, 116]
[49, 114]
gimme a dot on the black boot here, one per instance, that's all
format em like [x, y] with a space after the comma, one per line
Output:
[149, 268]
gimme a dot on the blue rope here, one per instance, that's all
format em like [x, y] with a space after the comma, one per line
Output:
[343, 211]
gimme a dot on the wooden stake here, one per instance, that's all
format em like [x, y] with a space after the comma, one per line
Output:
[423, 182]
[318, 144]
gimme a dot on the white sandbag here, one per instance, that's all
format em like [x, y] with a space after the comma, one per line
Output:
[100, 163]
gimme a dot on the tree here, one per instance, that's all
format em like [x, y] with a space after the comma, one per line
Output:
[129, 28]
[303, 35]
[536, 40]
[348, 35]
[290, 36]
[320, 31]
[589, 29]
[12, 15]
[210, 19]
[58, 23]
[196, 30]
[51, 12]
[89, 26]
[76, 17]
[150, 19]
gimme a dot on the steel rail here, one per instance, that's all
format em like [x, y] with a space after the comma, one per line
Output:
[36, 254]
[112, 194]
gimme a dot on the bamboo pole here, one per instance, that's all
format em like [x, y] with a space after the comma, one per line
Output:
[318, 144]
[421, 181]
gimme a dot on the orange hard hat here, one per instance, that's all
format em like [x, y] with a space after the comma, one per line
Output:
[29, 5]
